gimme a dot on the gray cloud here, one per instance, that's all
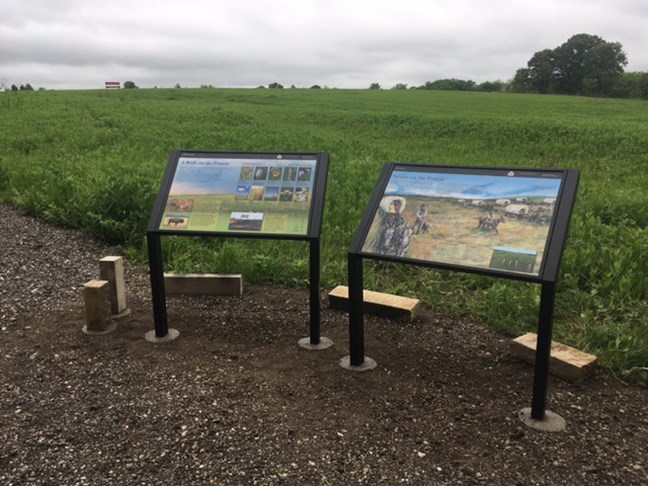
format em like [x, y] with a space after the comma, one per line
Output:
[81, 44]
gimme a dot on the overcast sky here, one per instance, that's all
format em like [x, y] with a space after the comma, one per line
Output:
[80, 44]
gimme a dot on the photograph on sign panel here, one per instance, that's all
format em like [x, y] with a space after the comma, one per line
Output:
[486, 221]
[270, 196]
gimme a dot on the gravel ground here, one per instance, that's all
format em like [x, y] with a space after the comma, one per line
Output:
[235, 401]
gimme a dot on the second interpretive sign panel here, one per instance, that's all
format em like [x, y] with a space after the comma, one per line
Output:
[485, 220]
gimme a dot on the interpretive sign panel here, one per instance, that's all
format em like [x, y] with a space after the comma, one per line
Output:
[239, 195]
[264, 194]
[496, 221]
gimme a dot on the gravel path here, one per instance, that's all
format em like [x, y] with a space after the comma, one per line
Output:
[42, 267]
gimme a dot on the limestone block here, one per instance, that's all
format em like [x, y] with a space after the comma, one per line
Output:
[565, 362]
[376, 303]
[111, 268]
[96, 295]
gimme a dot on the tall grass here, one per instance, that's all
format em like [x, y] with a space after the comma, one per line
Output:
[94, 160]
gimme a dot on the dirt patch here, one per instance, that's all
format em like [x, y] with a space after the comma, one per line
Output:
[234, 400]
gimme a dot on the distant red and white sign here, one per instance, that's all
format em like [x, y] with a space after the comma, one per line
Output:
[113, 85]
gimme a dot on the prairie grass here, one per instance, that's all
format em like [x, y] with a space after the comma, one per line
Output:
[94, 160]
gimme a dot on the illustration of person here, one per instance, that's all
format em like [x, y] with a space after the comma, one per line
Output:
[393, 234]
[420, 226]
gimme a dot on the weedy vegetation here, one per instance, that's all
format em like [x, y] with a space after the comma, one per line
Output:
[94, 160]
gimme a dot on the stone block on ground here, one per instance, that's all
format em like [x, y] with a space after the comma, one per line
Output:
[96, 296]
[376, 303]
[565, 362]
[111, 268]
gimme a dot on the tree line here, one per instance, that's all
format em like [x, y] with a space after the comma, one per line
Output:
[451, 85]
[585, 65]
[23, 87]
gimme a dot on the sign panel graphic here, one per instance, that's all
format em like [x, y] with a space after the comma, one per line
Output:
[224, 194]
[497, 220]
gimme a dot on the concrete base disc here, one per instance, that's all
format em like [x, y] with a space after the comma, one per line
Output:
[109, 328]
[323, 344]
[152, 338]
[368, 364]
[551, 423]
[123, 313]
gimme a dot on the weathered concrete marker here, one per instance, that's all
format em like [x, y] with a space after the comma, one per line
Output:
[96, 296]
[111, 268]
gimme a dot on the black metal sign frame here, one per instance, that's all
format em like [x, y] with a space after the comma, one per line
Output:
[175, 209]
[382, 235]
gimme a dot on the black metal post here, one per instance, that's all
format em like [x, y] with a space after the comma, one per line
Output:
[356, 313]
[156, 270]
[543, 351]
[314, 291]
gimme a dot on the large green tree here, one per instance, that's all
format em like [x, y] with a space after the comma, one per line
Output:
[585, 65]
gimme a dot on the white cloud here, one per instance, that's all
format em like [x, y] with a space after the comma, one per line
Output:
[80, 44]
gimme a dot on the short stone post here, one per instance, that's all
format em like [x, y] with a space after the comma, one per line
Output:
[111, 268]
[96, 296]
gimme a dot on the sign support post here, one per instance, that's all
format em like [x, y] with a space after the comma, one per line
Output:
[157, 285]
[543, 350]
[356, 361]
[356, 314]
[156, 269]
[314, 291]
[538, 417]
[314, 341]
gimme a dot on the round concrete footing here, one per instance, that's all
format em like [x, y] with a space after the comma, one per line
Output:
[170, 336]
[552, 422]
[323, 344]
[109, 328]
[367, 364]
[123, 313]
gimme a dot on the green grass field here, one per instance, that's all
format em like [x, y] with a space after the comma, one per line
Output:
[95, 159]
